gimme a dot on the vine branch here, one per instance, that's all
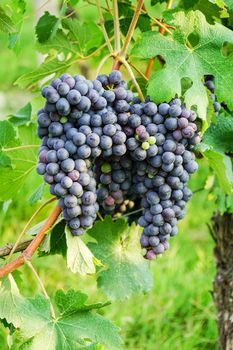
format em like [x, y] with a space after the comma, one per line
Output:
[30, 250]
[128, 38]
[101, 22]
[4, 251]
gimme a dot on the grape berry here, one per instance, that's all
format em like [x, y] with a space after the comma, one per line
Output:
[105, 150]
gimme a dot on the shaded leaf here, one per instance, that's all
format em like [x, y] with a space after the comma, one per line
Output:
[59, 43]
[46, 27]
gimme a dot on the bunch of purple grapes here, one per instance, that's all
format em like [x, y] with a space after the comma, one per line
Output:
[104, 150]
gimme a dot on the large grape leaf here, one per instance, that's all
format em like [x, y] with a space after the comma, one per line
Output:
[126, 271]
[192, 51]
[77, 326]
[220, 135]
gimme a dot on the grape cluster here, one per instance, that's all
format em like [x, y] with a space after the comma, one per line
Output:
[105, 150]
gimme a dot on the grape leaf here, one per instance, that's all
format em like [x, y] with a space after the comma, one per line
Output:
[184, 60]
[229, 4]
[78, 326]
[7, 134]
[73, 301]
[46, 27]
[79, 258]
[220, 135]
[118, 248]
[59, 43]
[22, 116]
[9, 298]
[58, 239]
[23, 162]
[37, 195]
[48, 67]
[221, 164]
[6, 24]
[87, 36]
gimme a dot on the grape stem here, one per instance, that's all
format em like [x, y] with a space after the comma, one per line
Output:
[28, 224]
[104, 59]
[127, 66]
[4, 251]
[31, 267]
[129, 35]
[30, 250]
[117, 38]
[101, 22]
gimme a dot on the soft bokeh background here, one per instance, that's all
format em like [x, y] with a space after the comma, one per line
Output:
[179, 312]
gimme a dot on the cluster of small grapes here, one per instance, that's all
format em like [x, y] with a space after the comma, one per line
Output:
[104, 149]
[209, 83]
[160, 144]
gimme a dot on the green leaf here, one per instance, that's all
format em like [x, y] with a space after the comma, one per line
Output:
[118, 248]
[21, 117]
[6, 24]
[222, 166]
[37, 195]
[59, 43]
[74, 301]
[191, 52]
[79, 326]
[10, 298]
[220, 135]
[79, 258]
[5, 161]
[23, 161]
[46, 27]
[7, 134]
[58, 239]
[48, 67]
[229, 4]
[87, 36]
